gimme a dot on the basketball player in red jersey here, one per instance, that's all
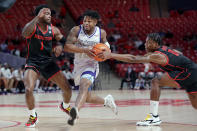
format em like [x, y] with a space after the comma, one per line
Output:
[39, 33]
[180, 72]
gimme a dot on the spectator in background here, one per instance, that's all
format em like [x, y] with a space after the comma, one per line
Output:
[138, 43]
[110, 15]
[162, 34]
[7, 77]
[17, 76]
[62, 13]
[188, 37]
[15, 52]
[10, 46]
[67, 73]
[128, 46]
[139, 83]
[148, 74]
[18, 28]
[169, 34]
[147, 67]
[195, 45]
[110, 38]
[111, 24]
[2, 81]
[4, 46]
[116, 14]
[113, 47]
[134, 9]
[129, 78]
[118, 24]
[116, 35]
[20, 86]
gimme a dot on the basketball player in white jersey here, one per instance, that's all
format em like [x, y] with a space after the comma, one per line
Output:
[80, 41]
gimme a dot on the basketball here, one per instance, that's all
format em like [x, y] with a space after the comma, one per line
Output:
[98, 48]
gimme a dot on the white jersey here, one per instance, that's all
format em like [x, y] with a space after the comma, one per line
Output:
[87, 41]
[83, 63]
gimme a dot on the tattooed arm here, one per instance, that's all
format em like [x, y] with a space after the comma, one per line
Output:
[30, 27]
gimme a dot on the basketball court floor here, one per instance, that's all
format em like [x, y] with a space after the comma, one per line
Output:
[175, 111]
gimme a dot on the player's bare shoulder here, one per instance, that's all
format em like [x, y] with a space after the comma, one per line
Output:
[73, 34]
[75, 30]
[103, 36]
[55, 29]
[157, 58]
[103, 32]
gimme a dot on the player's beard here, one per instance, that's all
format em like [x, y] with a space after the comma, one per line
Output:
[47, 23]
[90, 30]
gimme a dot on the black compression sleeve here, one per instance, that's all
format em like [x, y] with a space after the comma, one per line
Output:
[63, 41]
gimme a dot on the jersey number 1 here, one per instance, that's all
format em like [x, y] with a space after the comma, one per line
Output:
[41, 48]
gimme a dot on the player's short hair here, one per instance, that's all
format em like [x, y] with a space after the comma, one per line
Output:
[38, 8]
[91, 13]
[155, 37]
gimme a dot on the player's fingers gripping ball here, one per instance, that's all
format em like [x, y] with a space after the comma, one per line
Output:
[99, 48]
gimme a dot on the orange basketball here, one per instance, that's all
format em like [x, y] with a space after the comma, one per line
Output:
[98, 48]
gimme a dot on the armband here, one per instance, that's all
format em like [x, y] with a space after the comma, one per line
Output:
[106, 43]
[63, 41]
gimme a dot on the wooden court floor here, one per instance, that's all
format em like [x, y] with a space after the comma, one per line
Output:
[175, 111]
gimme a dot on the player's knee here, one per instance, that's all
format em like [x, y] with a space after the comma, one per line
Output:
[85, 85]
[29, 90]
[29, 87]
[194, 105]
[64, 85]
[155, 81]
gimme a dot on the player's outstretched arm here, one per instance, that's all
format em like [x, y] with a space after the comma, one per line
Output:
[154, 57]
[30, 27]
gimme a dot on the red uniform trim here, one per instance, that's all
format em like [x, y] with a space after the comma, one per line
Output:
[28, 37]
[27, 49]
[42, 31]
[185, 77]
[53, 75]
[173, 80]
[177, 67]
[165, 57]
[192, 92]
[42, 38]
[178, 75]
[32, 67]
[52, 30]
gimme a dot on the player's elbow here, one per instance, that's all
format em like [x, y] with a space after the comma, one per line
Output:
[129, 60]
[23, 33]
[68, 48]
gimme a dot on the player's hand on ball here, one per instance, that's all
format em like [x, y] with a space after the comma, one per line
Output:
[105, 54]
[98, 50]
[89, 52]
[58, 50]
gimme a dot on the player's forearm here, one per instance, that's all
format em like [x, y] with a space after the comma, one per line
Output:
[73, 49]
[122, 57]
[129, 58]
[29, 27]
